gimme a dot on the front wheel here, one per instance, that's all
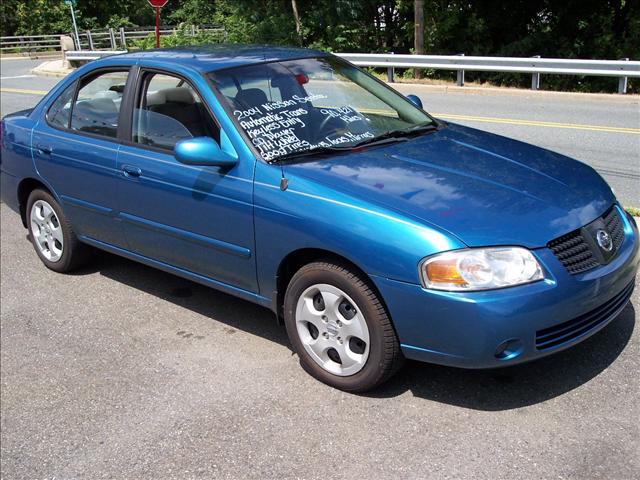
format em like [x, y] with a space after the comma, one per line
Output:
[339, 328]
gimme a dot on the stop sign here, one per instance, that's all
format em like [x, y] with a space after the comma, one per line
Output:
[157, 3]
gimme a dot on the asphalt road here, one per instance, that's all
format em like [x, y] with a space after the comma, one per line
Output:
[601, 130]
[122, 371]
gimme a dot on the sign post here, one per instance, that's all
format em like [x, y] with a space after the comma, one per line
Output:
[157, 4]
[73, 18]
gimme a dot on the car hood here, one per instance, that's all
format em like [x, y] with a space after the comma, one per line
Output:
[482, 188]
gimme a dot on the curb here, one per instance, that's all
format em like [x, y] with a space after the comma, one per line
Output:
[53, 68]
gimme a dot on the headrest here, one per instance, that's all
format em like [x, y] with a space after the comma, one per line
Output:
[251, 97]
[178, 95]
[156, 98]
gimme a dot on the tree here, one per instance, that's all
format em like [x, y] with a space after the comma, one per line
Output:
[296, 17]
[419, 33]
[41, 17]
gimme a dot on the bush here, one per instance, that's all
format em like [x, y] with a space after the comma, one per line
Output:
[181, 36]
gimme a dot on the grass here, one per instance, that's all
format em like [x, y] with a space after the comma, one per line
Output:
[633, 211]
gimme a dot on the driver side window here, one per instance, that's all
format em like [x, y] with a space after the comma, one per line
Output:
[168, 110]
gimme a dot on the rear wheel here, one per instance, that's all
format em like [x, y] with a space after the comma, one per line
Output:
[339, 328]
[51, 234]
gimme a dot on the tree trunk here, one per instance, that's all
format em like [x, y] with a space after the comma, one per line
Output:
[389, 27]
[419, 33]
[296, 16]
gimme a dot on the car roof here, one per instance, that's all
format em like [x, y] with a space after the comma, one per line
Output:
[208, 58]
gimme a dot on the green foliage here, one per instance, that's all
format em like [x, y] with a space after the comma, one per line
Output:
[633, 211]
[179, 37]
[40, 17]
[37, 17]
[192, 12]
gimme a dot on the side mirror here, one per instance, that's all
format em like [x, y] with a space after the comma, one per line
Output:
[415, 100]
[203, 151]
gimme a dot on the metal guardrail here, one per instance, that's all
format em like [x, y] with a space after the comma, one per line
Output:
[88, 55]
[107, 38]
[29, 43]
[124, 38]
[623, 69]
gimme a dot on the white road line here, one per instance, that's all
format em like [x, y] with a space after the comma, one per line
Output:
[17, 76]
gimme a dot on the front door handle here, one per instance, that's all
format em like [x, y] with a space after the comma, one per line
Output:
[42, 150]
[131, 171]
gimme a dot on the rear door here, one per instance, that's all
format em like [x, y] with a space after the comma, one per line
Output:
[199, 219]
[76, 148]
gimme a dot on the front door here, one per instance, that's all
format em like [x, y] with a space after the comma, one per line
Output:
[199, 219]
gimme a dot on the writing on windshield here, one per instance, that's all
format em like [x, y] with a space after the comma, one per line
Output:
[273, 127]
[292, 106]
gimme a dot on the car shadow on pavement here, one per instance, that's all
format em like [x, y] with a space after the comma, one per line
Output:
[520, 385]
[490, 390]
[233, 312]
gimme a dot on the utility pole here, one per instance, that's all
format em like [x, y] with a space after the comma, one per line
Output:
[75, 25]
[419, 33]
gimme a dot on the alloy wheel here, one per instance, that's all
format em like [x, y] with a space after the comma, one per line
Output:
[46, 230]
[332, 329]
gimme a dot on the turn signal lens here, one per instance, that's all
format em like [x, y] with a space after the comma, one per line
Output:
[480, 269]
[444, 271]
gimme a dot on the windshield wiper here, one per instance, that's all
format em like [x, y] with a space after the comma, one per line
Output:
[388, 137]
[397, 135]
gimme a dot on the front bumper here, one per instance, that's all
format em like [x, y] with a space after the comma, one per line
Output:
[469, 329]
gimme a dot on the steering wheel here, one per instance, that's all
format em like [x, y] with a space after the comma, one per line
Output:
[325, 123]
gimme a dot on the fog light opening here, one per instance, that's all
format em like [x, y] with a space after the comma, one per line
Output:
[509, 349]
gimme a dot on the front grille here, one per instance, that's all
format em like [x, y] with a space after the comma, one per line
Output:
[614, 226]
[578, 250]
[565, 332]
[573, 252]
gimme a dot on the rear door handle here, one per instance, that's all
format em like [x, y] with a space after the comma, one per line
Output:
[44, 150]
[131, 171]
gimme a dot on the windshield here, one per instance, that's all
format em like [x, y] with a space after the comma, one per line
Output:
[291, 107]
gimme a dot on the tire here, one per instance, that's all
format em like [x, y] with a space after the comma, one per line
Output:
[328, 306]
[51, 234]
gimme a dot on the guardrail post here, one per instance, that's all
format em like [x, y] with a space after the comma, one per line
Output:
[535, 78]
[460, 75]
[90, 39]
[123, 39]
[112, 38]
[193, 30]
[390, 72]
[623, 82]
[66, 43]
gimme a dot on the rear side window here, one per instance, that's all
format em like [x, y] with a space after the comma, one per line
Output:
[169, 110]
[60, 111]
[97, 105]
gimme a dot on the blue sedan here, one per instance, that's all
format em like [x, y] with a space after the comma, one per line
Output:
[292, 179]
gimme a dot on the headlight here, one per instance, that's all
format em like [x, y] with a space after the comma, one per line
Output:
[480, 269]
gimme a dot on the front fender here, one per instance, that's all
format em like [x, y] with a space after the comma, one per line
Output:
[379, 241]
